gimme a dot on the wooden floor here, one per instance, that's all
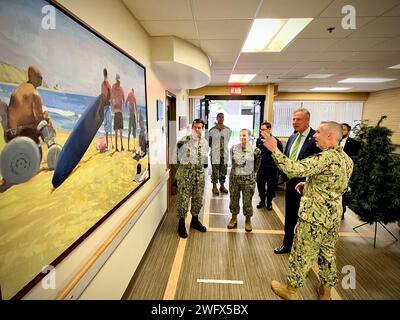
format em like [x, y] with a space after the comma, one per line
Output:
[232, 264]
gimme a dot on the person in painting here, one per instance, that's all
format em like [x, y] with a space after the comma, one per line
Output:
[3, 116]
[25, 108]
[118, 100]
[142, 137]
[106, 97]
[133, 117]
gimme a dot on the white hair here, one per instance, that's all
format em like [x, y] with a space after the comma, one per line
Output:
[304, 111]
[335, 128]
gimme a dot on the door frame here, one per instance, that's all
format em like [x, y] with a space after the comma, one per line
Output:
[261, 98]
[170, 105]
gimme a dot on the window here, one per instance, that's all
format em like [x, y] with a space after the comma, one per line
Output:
[339, 111]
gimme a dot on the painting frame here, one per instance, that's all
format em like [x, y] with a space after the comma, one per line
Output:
[118, 51]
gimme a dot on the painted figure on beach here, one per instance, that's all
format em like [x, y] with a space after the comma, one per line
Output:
[106, 96]
[26, 129]
[142, 137]
[118, 100]
[25, 109]
[133, 117]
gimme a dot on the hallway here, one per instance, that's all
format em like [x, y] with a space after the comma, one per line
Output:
[224, 264]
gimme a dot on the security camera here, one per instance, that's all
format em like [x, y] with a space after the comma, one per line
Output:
[330, 29]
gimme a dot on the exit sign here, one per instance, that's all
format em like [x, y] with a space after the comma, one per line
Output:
[236, 90]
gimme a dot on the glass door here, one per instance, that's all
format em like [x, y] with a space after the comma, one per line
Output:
[204, 111]
[240, 112]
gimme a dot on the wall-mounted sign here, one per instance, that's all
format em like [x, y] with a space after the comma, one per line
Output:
[236, 90]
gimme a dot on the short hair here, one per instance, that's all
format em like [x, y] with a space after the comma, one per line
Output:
[105, 72]
[266, 123]
[346, 125]
[196, 121]
[220, 114]
[335, 127]
[305, 111]
[33, 72]
[247, 130]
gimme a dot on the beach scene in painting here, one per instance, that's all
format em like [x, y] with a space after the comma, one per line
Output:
[73, 136]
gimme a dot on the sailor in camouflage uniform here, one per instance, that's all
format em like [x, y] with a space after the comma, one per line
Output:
[317, 229]
[219, 137]
[191, 158]
[245, 162]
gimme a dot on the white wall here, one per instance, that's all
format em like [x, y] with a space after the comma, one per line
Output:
[182, 109]
[111, 281]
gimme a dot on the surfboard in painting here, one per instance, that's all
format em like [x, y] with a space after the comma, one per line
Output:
[78, 141]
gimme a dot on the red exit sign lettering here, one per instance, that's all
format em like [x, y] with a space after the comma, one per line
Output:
[236, 90]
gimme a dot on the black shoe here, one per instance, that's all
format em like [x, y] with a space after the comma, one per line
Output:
[261, 205]
[196, 224]
[182, 229]
[282, 249]
[269, 206]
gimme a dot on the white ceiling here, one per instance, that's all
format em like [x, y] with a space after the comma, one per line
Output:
[219, 28]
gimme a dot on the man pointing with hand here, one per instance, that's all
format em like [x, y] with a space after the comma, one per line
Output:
[317, 229]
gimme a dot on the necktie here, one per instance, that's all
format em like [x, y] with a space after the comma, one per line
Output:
[295, 148]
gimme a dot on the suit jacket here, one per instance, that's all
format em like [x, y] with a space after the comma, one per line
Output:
[309, 148]
[267, 162]
[352, 147]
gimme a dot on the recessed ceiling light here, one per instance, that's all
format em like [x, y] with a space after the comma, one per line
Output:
[272, 35]
[241, 78]
[319, 75]
[329, 89]
[397, 66]
[366, 80]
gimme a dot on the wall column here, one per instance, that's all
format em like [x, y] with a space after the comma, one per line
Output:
[269, 101]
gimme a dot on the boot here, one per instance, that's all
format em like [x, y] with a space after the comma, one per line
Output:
[182, 228]
[286, 292]
[269, 206]
[215, 189]
[248, 226]
[324, 292]
[233, 223]
[223, 189]
[196, 224]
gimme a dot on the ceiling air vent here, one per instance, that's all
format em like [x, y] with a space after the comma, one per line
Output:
[294, 76]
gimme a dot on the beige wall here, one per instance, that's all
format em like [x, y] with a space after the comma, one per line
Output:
[269, 91]
[261, 90]
[322, 96]
[387, 103]
[182, 110]
[112, 280]
[226, 90]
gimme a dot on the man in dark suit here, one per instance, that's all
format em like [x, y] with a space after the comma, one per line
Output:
[300, 145]
[267, 174]
[352, 148]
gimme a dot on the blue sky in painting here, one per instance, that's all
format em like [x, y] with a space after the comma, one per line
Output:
[70, 56]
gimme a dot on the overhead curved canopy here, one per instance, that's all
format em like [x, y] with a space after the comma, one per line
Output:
[179, 64]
